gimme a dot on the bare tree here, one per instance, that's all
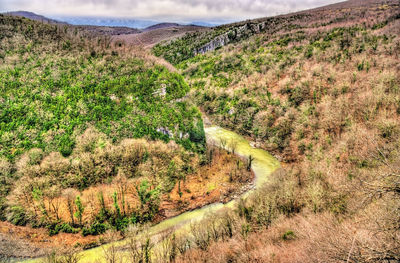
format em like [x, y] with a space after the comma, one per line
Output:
[249, 162]
[54, 201]
[111, 254]
[233, 145]
[69, 196]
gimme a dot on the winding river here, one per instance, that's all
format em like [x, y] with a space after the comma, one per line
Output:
[263, 165]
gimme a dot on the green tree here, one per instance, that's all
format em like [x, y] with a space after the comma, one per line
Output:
[79, 209]
[116, 206]
[149, 199]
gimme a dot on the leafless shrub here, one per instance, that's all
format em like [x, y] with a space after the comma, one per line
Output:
[69, 255]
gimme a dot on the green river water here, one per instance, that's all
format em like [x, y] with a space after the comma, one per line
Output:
[263, 165]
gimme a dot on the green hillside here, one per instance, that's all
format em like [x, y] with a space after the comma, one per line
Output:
[55, 84]
[53, 88]
[319, 90]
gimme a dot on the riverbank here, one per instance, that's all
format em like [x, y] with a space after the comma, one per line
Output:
[219, 182]
[263, 165]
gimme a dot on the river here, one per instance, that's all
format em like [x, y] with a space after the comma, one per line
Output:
[263, 165]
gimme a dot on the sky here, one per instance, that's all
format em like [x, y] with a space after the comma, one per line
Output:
[164, 10]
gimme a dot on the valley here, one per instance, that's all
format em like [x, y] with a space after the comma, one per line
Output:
[268, 140]
[73, 166]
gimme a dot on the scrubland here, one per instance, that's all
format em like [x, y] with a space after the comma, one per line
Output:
[95, 136]
[322, 94]
[319, 89]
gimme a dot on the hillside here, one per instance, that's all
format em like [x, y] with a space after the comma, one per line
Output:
[320, 90]
[156, 34]
[100, 140]
[325, 17]
[94, 138]
[103, 84]
[36, 17]
[236, 84]
[161, 25]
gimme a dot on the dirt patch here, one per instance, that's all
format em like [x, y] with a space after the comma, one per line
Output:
[218, 183]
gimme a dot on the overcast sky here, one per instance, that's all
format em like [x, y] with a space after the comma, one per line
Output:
[168, 10]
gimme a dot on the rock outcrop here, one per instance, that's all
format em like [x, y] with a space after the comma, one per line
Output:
[234, 34]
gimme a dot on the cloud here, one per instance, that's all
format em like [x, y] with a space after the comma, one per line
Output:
[173, 10]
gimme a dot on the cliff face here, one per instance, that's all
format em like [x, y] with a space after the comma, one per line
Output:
[236, 33]
[217, 42]
[240, 31]
[190, 45]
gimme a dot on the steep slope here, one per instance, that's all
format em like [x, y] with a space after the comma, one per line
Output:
[320, 90]
[102, 84]
[94, 139]
[339, 14]
[236, 84]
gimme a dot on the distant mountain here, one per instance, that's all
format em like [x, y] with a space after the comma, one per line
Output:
[107, 21]
[118, 26]
[161, 25]
[36, 17]
[158, 33]
[109, 30]
[205, 24]
[144, 25]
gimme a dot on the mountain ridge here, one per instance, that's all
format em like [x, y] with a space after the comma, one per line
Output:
[34, 16]
[112, 30]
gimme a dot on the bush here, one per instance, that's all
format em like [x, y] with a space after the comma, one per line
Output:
[95, 229]
[299, 94]
[309, 52]
[197, 134]
[289, 235]
[388, 130]
[121, 223]
[17, 216]
[55, 228]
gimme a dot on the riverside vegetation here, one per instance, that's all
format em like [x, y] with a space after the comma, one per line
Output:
[320, 90]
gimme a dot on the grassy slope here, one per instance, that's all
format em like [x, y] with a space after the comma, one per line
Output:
[322, 93]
